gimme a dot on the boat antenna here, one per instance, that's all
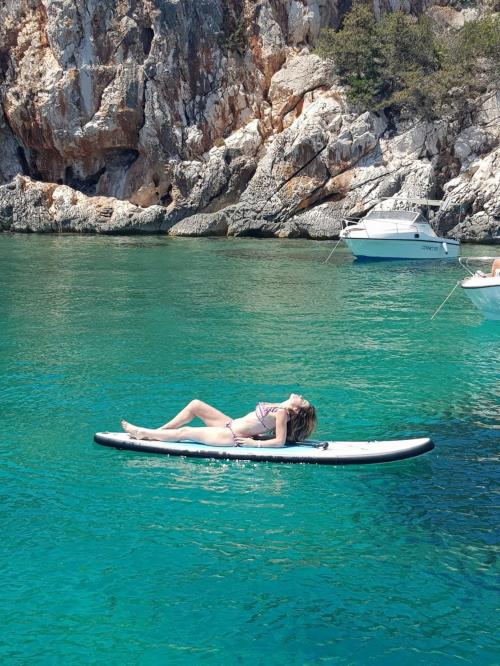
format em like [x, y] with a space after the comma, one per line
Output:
[439, 308]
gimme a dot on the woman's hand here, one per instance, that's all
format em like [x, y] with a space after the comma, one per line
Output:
[247, 441]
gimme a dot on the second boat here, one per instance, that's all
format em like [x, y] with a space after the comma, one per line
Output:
[397, 234]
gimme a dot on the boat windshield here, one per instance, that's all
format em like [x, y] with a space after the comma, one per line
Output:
[408, 216]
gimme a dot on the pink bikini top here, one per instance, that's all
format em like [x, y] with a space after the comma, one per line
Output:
[262, 409]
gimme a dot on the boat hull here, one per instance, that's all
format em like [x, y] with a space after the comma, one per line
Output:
[484, 293]
[410, 248]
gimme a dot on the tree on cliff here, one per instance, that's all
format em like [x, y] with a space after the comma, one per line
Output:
[399, 63]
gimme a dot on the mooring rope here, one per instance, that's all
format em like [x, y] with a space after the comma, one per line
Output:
[336, 246]
[439, 308]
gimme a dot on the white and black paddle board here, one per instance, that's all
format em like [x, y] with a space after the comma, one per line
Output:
[312, 451]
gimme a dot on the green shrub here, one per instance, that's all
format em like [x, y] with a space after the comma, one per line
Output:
[477, 39]
[356, 55]
[236, 39]
[398, 63]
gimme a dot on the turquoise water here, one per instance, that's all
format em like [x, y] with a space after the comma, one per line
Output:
[111, 557]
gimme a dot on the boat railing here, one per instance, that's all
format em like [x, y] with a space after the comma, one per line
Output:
[464, 262]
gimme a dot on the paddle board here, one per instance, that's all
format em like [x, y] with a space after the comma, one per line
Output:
[312, 451]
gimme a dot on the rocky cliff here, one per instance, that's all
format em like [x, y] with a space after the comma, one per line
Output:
[202, 117]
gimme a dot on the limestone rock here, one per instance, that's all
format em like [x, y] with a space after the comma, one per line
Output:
[320, 222]
[470, 143]
[210, 117]
[11, 152]
[26, 205]
[244, 141]
[471, 210]
[298, 76]
[107, 97]
[203, 224]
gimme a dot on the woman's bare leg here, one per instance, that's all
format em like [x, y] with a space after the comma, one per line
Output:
[212, 436]
[210, 416]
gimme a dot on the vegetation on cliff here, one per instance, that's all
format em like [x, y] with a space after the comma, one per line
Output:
[405, 64]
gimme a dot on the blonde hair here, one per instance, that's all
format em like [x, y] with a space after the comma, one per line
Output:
[301, 424]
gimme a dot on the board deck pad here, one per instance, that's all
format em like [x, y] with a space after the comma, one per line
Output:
[311, 451]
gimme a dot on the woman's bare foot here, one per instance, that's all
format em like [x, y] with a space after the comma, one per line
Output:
[132, 430]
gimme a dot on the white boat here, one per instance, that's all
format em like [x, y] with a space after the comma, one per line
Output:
[483, 289]
[397, 234]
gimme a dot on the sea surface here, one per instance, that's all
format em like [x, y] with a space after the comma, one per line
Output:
[113, 557]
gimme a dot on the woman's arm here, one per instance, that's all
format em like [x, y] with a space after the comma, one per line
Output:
[262, 443]
[279, 438]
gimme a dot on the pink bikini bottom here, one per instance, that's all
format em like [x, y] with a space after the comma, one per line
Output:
[236, 438]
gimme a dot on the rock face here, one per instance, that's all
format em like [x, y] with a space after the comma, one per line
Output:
[473, 202]
[27, 205]
[205, 117]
